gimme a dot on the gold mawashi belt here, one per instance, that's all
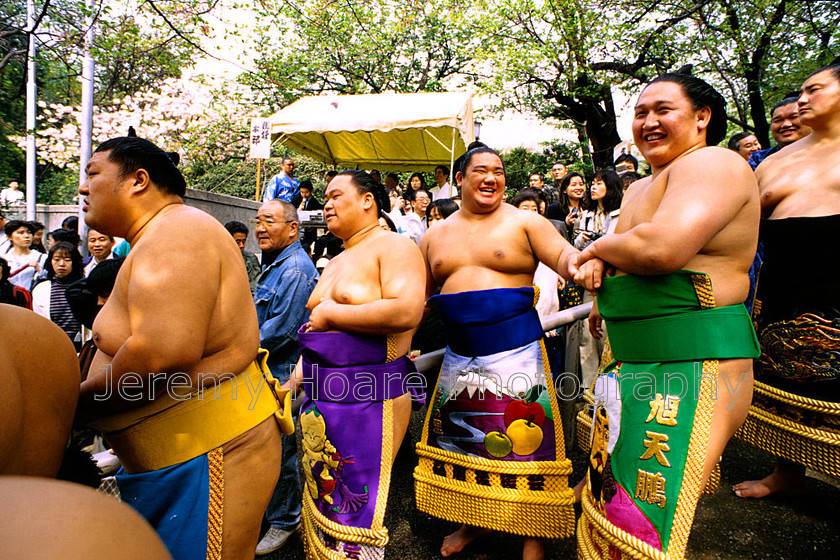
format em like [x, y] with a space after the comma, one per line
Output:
[171, 430]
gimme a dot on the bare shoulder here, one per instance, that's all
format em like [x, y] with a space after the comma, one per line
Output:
[185, 231]
[637, 186]
[713, 168]
[398, 248]
[187, 222]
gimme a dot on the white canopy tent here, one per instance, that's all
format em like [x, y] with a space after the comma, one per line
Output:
[394, 131]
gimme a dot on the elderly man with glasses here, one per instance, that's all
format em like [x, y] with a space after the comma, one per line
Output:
[288, 278]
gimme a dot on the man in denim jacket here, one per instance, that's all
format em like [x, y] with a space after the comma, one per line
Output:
[288, 278]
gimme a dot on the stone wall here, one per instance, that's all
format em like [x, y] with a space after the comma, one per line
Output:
[222, 207]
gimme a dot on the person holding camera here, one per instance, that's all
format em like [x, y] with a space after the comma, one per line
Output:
[602, 204]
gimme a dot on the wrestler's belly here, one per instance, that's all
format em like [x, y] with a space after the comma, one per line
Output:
[730, 285]
[475, 278]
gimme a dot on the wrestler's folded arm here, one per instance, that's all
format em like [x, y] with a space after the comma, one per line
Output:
[168, 316]
[704, 194]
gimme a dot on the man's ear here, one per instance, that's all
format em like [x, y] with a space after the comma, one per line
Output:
[293, 230]
[704, 117]
[139, 181]
[459, 178]
[368, 201]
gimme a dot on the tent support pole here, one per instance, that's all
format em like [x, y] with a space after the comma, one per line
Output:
[452, 164]
[257, 190]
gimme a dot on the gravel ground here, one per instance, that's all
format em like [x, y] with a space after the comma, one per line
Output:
[725, 527]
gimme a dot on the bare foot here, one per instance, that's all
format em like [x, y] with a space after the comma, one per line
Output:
[787, 478]
[533, 549]
[462, 537]
[578, 489]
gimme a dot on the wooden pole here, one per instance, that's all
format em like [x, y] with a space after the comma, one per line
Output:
[257, 191]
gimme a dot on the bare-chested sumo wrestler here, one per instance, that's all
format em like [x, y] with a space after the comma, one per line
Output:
[492, 453]
[201, 465]
[355, 372]
[680, 380]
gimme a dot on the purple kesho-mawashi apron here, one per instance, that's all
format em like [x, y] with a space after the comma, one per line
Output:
[347, 437]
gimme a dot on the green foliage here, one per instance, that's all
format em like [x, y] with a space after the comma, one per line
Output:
[307, 48]
[521, 163]
[57, 186]
[238, 177]
[759, 51]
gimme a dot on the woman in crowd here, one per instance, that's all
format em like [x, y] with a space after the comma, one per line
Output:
[38, 237]
[415, 183]
[439, 210]
[568, 210]
[23, 261]
[602, 203]
[64, 266]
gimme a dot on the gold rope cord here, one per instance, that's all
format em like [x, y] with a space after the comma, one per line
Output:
[825, 407]
[377, 535]
[559, 440]
[610, 538]
[215, 508]
[385, 466]
[815, 448]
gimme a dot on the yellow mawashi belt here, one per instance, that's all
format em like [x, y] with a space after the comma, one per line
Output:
[171, 430]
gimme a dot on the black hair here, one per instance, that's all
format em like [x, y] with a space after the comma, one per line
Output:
[444, 168]
[131, 154]
[537, 173]
[65, 235]
[479, 150]
[627, 157]
[37, 226]
[389, 221]
[306, 184]
[234, 226]
[446, 207]
[525, 195]
[614, 194]
[287, 158]
[701, 95]
[564, 184]
[70, 222]
[422, 181]
[101, 279]
[629, 177]
[364, 183]
[78, 270]
[782, 103]
[736, 138]
[414, 194]
[14, 225]
[394, 177]
[834, 68]
[111, 237]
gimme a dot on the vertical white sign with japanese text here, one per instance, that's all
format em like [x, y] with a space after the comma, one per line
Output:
[260, 139]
